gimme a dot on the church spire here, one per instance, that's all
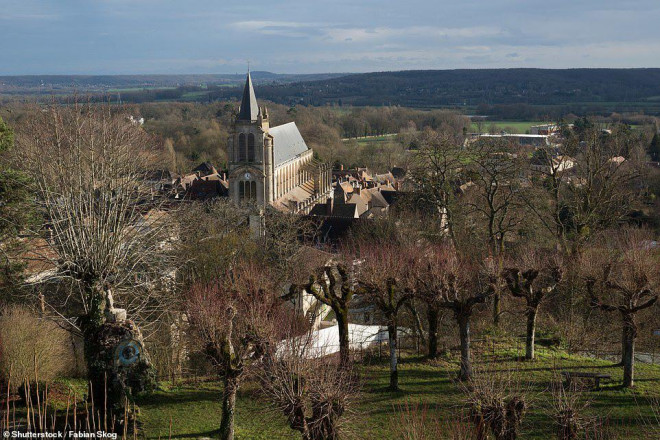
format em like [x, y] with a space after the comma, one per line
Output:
[249, 110]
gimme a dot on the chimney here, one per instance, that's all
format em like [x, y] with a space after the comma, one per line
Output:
[329, 205]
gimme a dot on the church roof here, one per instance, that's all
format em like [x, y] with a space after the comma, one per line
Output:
[287, 142]
[249, 110]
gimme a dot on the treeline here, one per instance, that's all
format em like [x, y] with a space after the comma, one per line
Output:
[38, 84]
[434, 88]
[501, 93]
[195, 132]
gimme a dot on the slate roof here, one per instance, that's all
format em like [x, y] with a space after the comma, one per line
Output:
[205, 168]
[339, 210]
[287, 142]
[249, 110]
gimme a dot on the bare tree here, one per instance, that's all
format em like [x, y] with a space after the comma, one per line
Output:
[588, 183]
[417, 421]
[213, 235]
[103, 220]
[535, 276]
[334, 286]
[233, 320]
[497, 403]
[569, 408]
[382, 283]
[456, 284]
[435, 171]
[428, 280]
[624, 278]
[495, 198]
[284, 235]
[313, 394]
[495, 171]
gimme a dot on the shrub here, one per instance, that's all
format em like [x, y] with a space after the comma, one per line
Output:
[416, 421]
[32, 348]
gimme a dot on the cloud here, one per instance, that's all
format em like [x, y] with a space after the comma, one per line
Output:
[128, 36]
[277, 28]
[431, 33]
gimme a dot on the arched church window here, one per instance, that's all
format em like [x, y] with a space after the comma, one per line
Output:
[247, 190]
[241, 147]
[250, 148]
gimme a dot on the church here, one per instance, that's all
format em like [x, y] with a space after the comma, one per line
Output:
[273, 165]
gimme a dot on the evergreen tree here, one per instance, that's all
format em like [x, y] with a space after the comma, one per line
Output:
[654, 147]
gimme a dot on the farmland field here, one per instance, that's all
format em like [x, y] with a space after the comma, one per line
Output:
[521, 127]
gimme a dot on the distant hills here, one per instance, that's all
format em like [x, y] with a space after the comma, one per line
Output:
[492, 91]
[439, 88]
[84, 83]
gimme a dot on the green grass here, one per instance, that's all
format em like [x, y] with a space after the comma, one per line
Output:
[139, 89]
[195, 410]
[518, 127]
[194, 95]
[370, 139]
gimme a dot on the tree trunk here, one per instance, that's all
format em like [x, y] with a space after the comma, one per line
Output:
[464, 328]
[531, 332]
[97, 365]
[228, 406]
[629, 353]
[419, 328]
[497, 309]
[433, 315]
[344, 343]
[394, 372]
[624, 345]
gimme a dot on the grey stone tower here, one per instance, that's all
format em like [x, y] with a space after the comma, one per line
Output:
[250, 148]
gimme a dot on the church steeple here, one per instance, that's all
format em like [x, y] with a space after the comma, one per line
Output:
[249, 110]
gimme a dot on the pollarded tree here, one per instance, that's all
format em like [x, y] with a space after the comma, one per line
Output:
[103, 223]
[233, 319]
[333, 285]
[456, 284]
[426, 276]
[383, 283]
[313, 394]
[534, 276]
[624, 278]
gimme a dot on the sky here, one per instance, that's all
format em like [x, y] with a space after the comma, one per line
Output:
[315, 36]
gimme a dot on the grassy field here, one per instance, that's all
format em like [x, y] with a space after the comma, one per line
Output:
[138, 89]
[521, 127]
[370, 139]
[194, 410]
